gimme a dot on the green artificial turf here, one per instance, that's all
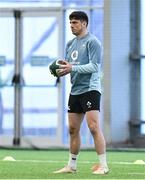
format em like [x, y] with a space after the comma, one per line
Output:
[32, 164]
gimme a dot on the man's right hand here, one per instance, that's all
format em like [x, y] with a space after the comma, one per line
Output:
[64, 69]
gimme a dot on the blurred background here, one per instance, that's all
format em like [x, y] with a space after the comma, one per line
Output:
[33, 103]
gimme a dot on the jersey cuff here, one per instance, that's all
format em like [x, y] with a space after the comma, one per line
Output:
[74, 68]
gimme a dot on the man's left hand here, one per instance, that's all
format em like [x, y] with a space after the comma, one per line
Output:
[64, 69]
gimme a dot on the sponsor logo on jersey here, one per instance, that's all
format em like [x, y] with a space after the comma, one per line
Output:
[74, 56]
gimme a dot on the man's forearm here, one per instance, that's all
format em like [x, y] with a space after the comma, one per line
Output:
[87, 68]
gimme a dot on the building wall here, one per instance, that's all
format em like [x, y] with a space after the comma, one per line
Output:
[116, 70]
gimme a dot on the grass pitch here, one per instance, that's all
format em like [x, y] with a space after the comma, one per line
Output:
[32, 164]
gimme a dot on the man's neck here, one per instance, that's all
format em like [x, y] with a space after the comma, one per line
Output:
[82, 34]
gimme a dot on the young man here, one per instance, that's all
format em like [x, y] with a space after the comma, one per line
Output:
[83, 62]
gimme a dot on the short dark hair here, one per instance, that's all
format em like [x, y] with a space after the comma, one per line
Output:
[79, 15]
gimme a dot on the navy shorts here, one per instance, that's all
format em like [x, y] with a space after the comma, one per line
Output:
[84, 102]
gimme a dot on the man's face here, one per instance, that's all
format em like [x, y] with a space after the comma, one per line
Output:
[77, 26]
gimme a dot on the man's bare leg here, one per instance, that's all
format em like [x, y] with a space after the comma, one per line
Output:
[94, 126]
[99, 141]
[75, 121]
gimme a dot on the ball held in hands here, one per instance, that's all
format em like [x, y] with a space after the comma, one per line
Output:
[55, 65]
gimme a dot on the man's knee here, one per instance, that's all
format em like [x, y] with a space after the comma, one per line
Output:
[94, 129]
[73, 130]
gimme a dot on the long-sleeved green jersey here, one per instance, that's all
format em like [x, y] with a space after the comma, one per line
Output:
[85, 55]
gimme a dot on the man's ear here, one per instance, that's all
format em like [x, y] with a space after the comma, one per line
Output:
[84, 23]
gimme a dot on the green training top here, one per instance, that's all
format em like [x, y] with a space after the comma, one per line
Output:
[85, 55]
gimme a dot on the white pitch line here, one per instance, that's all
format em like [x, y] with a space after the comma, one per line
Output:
[126, 163]
[81, 162]
[137, 173]
[122, 162]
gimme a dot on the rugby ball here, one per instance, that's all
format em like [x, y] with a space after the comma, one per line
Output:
[54, 66]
